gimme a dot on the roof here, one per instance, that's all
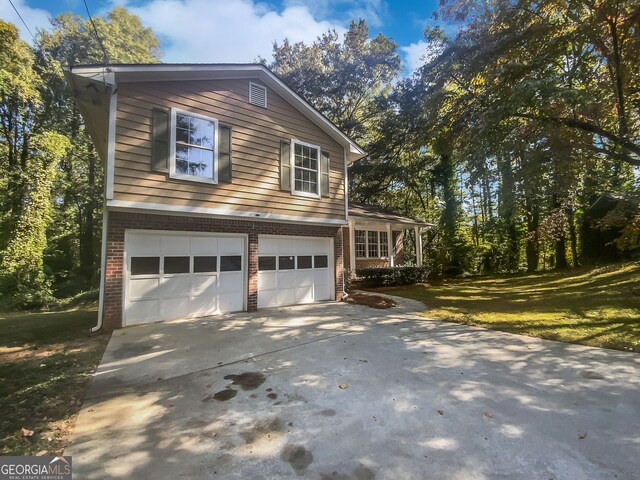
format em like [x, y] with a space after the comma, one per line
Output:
[373, 212]
[90, 82]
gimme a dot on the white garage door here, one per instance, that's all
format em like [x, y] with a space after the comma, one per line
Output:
[172, 276]
[293, 270]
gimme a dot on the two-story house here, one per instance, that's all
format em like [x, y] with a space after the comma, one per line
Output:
[224, 191]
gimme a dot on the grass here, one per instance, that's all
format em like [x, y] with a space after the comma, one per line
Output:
[597, 307]
[46, 360]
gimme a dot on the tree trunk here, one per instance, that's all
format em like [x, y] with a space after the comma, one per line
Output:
[573, 237]
[533, 245]
[86, 244]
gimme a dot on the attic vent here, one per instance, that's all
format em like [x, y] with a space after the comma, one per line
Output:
[257, 95]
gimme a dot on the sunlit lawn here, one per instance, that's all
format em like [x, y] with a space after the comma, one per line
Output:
[598, 307]
[46, 360]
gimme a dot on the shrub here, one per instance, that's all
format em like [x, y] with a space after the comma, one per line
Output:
[391, 276]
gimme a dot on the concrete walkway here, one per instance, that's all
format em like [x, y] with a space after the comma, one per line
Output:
[336, 391]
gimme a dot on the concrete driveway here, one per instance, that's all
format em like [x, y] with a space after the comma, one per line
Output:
[258, 395]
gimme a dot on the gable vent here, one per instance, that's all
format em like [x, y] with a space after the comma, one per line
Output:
[257, 95]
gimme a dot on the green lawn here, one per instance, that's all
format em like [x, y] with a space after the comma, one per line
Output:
[46, 360]
[598, 307]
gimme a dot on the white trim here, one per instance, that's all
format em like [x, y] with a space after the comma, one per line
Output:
[352, 246]
[346, 187]
[292, 156]
[260, 87]
[172, 148]
[103, 268]
[111, 146]
[418, 247]
[218, 212]
[364, 228]
[391, 246]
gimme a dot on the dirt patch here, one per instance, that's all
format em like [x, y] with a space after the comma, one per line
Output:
[370, 300]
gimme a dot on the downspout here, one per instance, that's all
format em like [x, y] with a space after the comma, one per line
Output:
[103, 269]
[346, 211]
[108, 194]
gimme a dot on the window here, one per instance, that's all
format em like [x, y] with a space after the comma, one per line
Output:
[361, 244]
[205, 264]
[194, 145]
[321, 261]
[372, 247]
[384, 244]
[306, 163]
[304, 261]
[371, 244]
[176, 265]
[231, 263]
[286, 263]
[145, 265]
[266, 263]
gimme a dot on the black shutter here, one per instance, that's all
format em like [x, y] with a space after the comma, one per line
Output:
[224, 154]
[324, 177]
[285, 166]
[160, 140]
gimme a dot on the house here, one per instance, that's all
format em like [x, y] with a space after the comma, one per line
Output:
[224, 191]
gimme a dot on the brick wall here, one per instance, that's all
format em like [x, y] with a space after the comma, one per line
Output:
[121, 221]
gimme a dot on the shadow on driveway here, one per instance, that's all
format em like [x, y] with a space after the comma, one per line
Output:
[335, 391]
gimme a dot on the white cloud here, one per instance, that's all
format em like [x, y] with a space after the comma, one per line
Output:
[229, 31]
[35, 18]
[414, 54]
[370, 10]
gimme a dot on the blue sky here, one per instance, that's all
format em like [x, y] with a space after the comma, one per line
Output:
[242, 30]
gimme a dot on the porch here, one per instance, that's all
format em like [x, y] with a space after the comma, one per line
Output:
[375, 238]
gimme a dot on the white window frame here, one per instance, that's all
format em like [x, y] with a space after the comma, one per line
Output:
[172, 148]
[366, 237]
[292, 155]
[356, 243]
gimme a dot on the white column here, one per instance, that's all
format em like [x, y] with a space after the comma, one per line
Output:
[418, 247]
[352, 245]
[391, 246]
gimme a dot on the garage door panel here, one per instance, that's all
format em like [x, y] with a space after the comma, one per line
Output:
[144, 287]
[177, 307]
[143, 244]
[267, 281]
[322, 292]
[304, 294]
[204, 303]
[176, 287]
[143, 311]
[204, 245]
[304, 278]
[287, 279]
[231, 302]
[230, 246]
[175, 245]
[321, 277]
[286, 296]
[204, 284]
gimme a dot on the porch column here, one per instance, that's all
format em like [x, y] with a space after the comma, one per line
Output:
[352, 245]
[418, 247]
[391, 246]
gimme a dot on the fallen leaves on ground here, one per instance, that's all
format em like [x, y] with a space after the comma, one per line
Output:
[343, 386]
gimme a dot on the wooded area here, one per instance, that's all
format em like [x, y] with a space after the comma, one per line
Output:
[508, 137]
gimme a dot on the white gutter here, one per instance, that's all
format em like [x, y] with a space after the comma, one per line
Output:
[103, 267]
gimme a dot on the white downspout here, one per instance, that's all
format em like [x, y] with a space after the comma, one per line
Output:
[103, 268]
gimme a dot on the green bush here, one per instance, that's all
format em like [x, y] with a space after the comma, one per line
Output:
[391, 276]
